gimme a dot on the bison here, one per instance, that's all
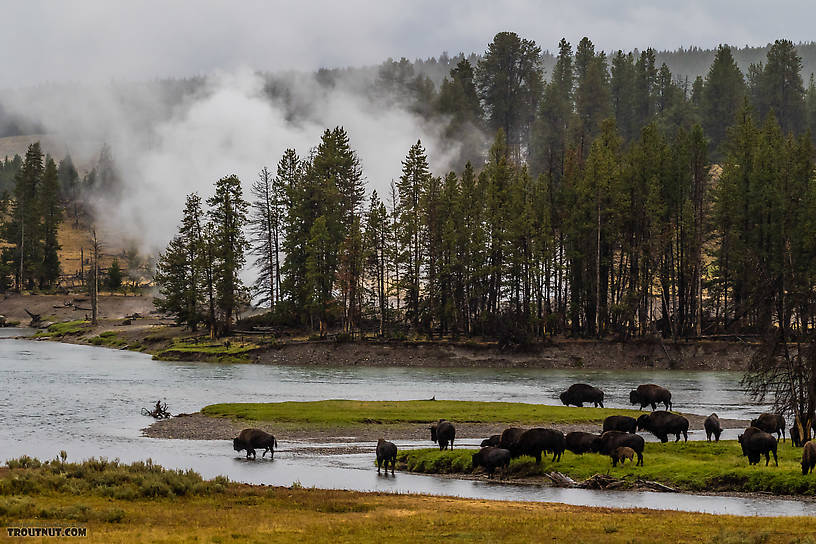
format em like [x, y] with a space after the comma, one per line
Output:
[712, 427]
[491, 458]
[443, 432]
[756, 442]
[662, 423]
[620, 423]
[579, 393]
[580, 443]
[509, 439]
[249, 439]
[770, 423]
[536, 441]
[623, 453]
[612, 440]
[808, 457]
[386, 451]
[492, 441]
[650, 394]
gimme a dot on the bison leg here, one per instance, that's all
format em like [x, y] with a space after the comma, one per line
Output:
[685, 436]
[640, 459]
[654, 406]
[250, 452]
[393, 464]
[776, 461]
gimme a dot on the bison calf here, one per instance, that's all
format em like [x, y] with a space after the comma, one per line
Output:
[386, 452]
[623, 453]
[250, 439]
[809, 457]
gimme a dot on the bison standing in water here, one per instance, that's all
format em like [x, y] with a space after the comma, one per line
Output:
[620, 423]
[651, 394]
[250, 439]
[756, 442]
[443, 432]
[661, 424]
[610, 441]
[579, 393]
[386, 452]
[770, 423]
[491, 458]
[809, 457]
[712, 427]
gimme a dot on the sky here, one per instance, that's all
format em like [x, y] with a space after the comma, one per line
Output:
[112, 39]
[231, 127]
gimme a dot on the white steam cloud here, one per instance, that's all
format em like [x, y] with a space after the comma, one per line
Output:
[230, 126]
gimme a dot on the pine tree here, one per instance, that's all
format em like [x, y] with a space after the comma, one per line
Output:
[377, 256]
[266, 222]
[722, 96]
[228, 214]
[25, 227]
[114, 276]
[51, 213]
[777, 86]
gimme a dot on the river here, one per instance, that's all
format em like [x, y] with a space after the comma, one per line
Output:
[87, 401]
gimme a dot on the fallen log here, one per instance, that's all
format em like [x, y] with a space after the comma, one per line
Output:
[655, 486]
[561, 480]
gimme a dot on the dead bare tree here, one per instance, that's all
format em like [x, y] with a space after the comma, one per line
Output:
[94, 287]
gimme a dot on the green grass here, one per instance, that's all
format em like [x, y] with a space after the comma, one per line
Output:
[109, 339]
[235, 352]
[356, 412]
[690, 466]
[64, 329]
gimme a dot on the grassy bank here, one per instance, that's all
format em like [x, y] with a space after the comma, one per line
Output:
[355, 412]
[66, 328]
[691, 466]
[214, 351]
[144, 503]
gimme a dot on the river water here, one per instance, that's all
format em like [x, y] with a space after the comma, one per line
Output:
[87, 401]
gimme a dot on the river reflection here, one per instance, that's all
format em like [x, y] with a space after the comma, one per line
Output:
[87, 400]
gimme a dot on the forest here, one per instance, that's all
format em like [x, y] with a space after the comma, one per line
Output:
[609, 199]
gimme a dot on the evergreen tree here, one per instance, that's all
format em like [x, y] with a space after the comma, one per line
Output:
[722, 96]
[509, 80]
[266, 222]
[777, 86]
[114, 276]
[51, 213]
[228, 214]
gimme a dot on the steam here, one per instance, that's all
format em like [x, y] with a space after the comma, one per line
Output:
[228, 126]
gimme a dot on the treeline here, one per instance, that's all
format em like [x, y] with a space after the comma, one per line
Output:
[597, 210]
[36, 196]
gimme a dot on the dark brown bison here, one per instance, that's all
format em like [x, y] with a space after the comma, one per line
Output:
[510, 437]
[796, 439]
[492, 441]
[443, 432]
[650, 394]
[386, 452]
[580, 443]
[712, 427]
[662, 424]
[491, 458]
[620, 423]
[770, 423]
[809, 457]
[612, 440]
[755, 442]
[250, 439]
[579, 393]
[536, 441]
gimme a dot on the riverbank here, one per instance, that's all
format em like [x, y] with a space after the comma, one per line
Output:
[717, 467]
[129, 323]
[143, 502]
[366, 421]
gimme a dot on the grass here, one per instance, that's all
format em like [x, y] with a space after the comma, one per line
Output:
[356, 412]
[222, 352]
[108, 339]
[690, 466]
[64, 329]
[228, 512]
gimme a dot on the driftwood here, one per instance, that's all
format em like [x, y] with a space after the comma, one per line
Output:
[35, 318]
[159, 412]
[606, 481]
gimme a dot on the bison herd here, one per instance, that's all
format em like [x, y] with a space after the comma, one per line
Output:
[618, 439]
